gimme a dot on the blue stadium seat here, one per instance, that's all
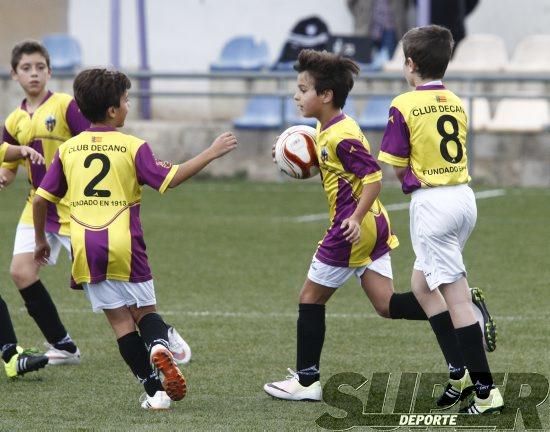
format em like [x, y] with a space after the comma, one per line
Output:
[242, 53]
[375, 114]
[261, 112]
[65, 53]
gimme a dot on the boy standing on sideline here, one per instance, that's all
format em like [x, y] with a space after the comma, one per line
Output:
[17, 361]
[43, 121]
[101, 173]
[425, 142]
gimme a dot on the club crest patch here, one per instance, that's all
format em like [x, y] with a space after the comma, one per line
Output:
[50, 123]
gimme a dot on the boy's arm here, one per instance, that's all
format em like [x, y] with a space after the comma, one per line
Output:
[39, 212]
[400, 172]
[352, 224]
[223, 144]
[14, 152]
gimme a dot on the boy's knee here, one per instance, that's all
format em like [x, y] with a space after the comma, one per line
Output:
[22, 276]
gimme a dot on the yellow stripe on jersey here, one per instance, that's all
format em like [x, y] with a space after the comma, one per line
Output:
[3, 149]
[427, 135]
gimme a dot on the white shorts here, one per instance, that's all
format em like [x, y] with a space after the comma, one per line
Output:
[441, 221]
[24, 242]
[334, 277]
[112, 294]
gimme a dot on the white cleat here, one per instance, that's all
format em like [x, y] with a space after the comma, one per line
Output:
[291, 389]
[178, 347]
[160, 401]
[61, 357]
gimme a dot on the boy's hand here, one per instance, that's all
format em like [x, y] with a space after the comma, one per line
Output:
[223, 144]
[3, 181]
[32, 155]
[42, 252]
[352, 230]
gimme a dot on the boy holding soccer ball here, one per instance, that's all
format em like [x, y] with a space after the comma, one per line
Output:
[359, 239]
[425, 142]
[101, 173]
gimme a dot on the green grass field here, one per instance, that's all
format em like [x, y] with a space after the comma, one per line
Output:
[228, 261]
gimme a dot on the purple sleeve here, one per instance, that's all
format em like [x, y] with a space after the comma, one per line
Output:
[396, 139]
[54, 181]
[356, 159]
[6, 137]
[75, 120]
[149, 170]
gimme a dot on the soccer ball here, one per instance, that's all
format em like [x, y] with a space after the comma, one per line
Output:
[294, 152]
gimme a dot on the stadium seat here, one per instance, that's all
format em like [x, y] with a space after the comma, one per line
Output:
[242, 53]
[64, 50]
[478, 111]
[520, 115]
[397, 60]
[532, 54]
[375, 114]
[261, 112]
[479, 53]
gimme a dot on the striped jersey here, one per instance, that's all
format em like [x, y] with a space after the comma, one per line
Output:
[56, 120]
[101, 172]
[3, 149]
[346, 165]
[426, 134]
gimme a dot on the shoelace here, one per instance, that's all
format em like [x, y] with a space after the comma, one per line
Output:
[292, 374]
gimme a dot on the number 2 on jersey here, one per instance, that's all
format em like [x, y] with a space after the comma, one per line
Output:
[90, 190]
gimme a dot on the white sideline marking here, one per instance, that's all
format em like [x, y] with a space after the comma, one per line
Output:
[397, 206]
[285, 315]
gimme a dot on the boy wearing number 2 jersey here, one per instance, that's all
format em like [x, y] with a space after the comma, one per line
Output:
[425, 142]
[101, 173]
[43, 122]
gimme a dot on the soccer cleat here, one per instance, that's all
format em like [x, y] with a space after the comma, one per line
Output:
[455, 391]
[178, 347]
[291, 389]
[172, 379]
[61, 357]
[160, 401]
[491, 405]
[25, 361]
[488, 325]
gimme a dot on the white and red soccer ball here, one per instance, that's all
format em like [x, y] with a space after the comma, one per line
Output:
[294, 152]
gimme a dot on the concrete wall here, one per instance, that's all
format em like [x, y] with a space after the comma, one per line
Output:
[29, 19]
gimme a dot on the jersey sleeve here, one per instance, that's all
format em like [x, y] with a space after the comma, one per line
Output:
[8, 138]
[395, 148]
[356, 159]
[150, 171]
[54, 184]
[75, 120]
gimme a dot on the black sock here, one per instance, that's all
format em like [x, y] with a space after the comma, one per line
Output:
[132, 349]
[42, 309]
[8, 341]
[153, 330]
[442, 326]
[471, 344]
[310, 339]
[406, 306]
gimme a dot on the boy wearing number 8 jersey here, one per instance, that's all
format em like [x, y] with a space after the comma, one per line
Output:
[101, 173]
[425, 142]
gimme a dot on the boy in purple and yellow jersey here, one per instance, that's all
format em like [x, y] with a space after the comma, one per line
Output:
[101, 173]
[359, 238]
[17, 361]
[425, 142]
[43, 121]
